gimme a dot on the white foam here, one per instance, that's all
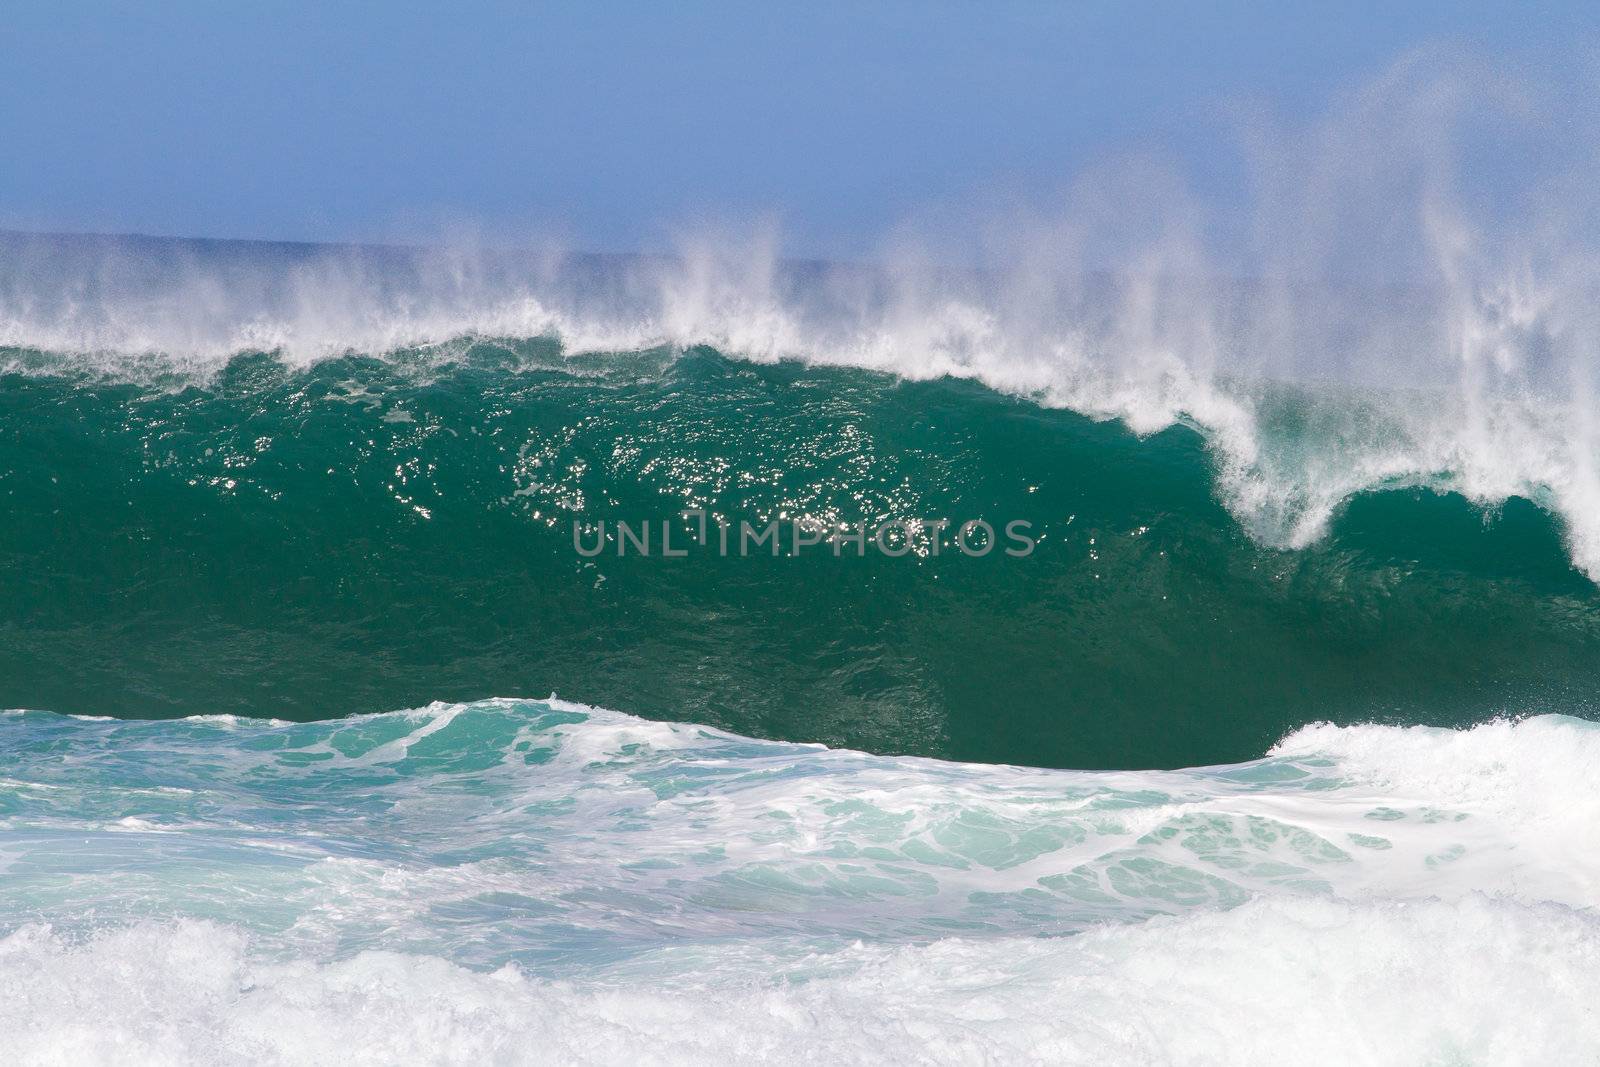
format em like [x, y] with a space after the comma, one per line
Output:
[1309, 982]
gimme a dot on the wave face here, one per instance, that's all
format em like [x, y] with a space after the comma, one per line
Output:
[481, 881]
[358, 534]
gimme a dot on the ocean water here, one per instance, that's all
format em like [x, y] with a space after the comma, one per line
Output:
[1277, 747]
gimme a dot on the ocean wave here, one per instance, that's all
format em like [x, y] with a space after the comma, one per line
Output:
[366, 534]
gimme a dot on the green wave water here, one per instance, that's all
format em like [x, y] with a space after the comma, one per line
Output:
[365, 534]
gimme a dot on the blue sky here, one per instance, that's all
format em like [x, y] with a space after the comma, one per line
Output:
[608, 124]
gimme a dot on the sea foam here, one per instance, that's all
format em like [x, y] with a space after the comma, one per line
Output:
[1477, 981]
[515, 881]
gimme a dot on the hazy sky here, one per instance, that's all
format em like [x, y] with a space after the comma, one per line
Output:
[608, 123]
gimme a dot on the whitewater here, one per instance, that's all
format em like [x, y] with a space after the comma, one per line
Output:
[517, 881]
